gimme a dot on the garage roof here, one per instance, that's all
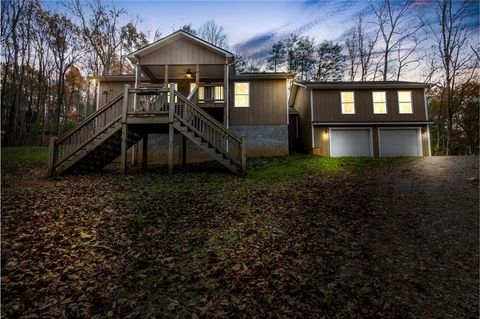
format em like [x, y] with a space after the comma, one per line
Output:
[365, 85]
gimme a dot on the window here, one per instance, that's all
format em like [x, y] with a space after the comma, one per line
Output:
[348, 103]
[218, 93]
[405, 102]
[192, 86]
[201, 93]
[242, 94]
[175, 86]
[379, 102]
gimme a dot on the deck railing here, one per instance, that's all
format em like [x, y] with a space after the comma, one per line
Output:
[148, 101]
[209, 128]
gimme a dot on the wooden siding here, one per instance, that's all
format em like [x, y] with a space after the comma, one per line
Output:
[327, 106]
[113, 88]
[322, 139]
[268, 104]
[302, 105]
[182, 51]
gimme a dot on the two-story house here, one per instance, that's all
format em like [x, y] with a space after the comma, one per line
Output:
[361, 118]
[186, 103]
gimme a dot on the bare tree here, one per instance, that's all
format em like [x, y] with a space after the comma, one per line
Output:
[246, 62]
[100, 28]
[395, 26]
[406, 54]
[360, 49]
[458, 60]
[62, 37]
[213, 33]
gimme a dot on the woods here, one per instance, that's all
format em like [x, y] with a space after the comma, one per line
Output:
[47, 56]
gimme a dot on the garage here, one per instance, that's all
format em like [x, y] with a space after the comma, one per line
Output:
[350, 142]
[400, 142]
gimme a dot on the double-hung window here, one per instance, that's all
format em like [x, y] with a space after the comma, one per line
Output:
[348, 102]
[405, 102]
[218, 94]
[379, 102]
[242, 94]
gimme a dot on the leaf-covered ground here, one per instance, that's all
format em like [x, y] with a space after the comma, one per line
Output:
[298, 237]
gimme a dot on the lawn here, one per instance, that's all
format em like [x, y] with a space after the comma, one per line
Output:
[300, 236]
[24, 156]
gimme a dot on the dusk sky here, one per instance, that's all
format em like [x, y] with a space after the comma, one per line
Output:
[254, 25]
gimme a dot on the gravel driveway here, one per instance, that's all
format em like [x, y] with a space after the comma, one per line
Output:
[427, 244]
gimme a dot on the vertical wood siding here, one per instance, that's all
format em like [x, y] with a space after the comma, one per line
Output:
[115, 86]
[302, 105]
[268, 104]
[327, 106]
[183, 51]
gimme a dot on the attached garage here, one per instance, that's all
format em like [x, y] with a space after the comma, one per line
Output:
[351, 142]
[400, 142]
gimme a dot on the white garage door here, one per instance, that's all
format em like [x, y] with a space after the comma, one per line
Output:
[400, 142]
[350, 142]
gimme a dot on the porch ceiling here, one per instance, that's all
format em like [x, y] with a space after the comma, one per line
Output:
[179, 71]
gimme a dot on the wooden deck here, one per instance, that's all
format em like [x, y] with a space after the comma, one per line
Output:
[114, 128]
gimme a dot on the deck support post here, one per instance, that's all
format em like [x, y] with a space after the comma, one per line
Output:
[225, 96]
[244, 155]
[197, 75]
[124, 146]
[145, 151]
[184, 151]
[171, 110]
[165, 83]
[123, 156]
[52, 152]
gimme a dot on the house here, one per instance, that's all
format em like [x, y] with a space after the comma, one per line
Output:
[186, 103]
[362, 118]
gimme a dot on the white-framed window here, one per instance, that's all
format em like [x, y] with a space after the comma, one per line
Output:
[200, 91]
[175, 85]
[405, 102]
[242, 94]
[218, 95]
[379, 102]
[348, 102]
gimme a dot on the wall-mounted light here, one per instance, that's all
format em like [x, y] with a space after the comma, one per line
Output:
[325, 131]
[189, 74]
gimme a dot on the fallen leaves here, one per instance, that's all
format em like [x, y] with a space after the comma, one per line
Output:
[196, 245]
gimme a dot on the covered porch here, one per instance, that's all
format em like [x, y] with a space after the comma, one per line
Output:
[204, 85]
[196, 68]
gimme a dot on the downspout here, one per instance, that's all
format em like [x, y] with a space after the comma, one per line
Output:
[227, 85]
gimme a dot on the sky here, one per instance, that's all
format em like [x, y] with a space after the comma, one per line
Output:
[252, 26]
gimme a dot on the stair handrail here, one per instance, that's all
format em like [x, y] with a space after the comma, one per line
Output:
[230, 142]
[67, 145]
[88, 118]
[192, 94]
[209, 118]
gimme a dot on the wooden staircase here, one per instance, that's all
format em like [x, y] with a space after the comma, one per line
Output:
[110, 131]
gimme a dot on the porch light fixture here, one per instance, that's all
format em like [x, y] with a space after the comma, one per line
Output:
[189, 74]
[326, 131]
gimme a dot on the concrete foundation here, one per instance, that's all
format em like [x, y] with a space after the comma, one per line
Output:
[264, 140]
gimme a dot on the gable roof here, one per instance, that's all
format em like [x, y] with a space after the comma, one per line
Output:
[133, 57]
